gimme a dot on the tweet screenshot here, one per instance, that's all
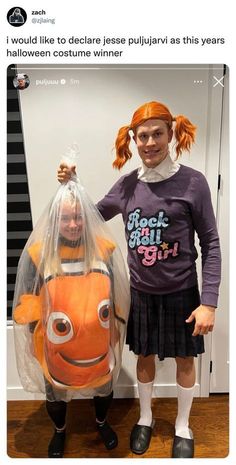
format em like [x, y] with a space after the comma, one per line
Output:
[117, 195]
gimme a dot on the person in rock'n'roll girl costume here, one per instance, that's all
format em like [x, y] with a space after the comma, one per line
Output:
[70, 311]
[163, 203]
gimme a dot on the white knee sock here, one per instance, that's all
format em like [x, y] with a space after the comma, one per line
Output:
[185, 399]
[145, 399]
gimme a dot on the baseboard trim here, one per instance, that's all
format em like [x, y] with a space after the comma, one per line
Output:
[120, 392]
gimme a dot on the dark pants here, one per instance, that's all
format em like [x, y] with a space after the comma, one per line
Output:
[57, 409]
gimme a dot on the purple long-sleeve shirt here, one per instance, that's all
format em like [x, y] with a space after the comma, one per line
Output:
[160, 220]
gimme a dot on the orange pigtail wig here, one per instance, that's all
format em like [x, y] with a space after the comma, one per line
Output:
[184, 130]
[123, 152]
[184, 134]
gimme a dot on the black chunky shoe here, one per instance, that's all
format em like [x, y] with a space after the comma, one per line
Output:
[108, 436]
[183, 448]
[140, 438]
[56, 445]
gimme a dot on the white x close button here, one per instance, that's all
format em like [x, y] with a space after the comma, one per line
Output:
[218, 81]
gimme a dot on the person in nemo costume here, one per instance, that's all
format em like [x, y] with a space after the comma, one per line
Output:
[70, 310]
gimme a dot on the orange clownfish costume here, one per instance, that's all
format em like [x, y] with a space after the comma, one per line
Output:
[74, 318]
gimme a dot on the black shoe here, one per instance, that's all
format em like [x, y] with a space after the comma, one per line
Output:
[183, 448]
[140, 438]
[56, 445]
[109, 437]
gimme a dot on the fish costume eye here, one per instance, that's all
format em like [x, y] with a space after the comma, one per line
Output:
[59, 328]
[104, 313]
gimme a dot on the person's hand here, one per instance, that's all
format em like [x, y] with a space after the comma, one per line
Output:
[65, 172]
[204, 317]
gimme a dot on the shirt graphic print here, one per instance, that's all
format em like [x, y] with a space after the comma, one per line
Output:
[146, 235]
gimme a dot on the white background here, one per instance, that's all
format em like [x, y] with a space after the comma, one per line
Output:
[154, 18]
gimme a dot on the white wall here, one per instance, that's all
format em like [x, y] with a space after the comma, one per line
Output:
[90, 112]
[219, 380]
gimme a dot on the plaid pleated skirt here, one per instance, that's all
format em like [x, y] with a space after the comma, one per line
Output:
[157, 324]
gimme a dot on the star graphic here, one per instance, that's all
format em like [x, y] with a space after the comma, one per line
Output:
[164, 245]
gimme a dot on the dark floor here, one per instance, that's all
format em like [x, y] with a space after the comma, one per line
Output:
[29, 428]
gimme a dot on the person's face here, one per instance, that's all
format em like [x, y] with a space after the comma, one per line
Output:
[71, 224]
[21, 83]
[152, 139]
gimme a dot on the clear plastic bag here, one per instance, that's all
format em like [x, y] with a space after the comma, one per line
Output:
[71, 301]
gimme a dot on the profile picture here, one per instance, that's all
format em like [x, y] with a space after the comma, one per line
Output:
[16, 16]
[21, 81]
